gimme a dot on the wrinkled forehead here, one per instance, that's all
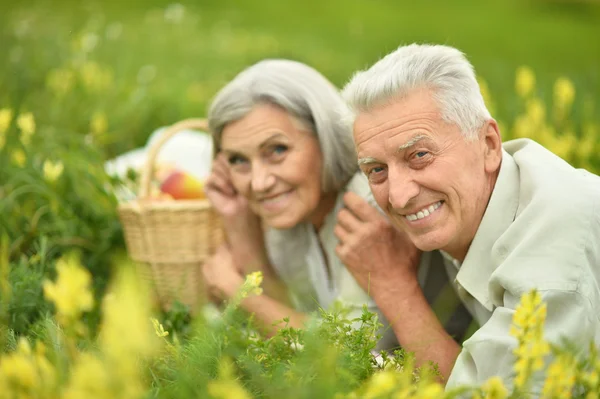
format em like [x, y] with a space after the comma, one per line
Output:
[417, 104]
[262, 123]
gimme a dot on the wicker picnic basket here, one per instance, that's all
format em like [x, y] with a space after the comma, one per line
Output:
[170, 239]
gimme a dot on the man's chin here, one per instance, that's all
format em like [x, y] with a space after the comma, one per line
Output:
[429, 241]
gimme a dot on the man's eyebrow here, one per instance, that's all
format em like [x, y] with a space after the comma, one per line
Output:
[412, 142]
[367, 160]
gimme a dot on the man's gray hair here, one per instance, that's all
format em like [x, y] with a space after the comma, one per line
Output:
[307, 96]
[443, 69]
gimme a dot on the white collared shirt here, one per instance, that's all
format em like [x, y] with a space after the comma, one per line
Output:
[541, 230]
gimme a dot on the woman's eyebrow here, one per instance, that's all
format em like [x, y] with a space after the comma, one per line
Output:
[276, 135]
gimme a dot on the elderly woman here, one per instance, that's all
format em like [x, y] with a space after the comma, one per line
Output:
[286, 183]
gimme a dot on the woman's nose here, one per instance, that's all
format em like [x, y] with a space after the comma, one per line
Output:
[262, 179]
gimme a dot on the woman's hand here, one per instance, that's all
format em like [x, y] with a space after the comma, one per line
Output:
[221, 276]
[242, 226]
[378, 255]
[221, 192]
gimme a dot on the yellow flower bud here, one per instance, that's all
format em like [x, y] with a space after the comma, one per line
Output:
[52, 170]
[525, 81]
[564, 93]
[26, 124]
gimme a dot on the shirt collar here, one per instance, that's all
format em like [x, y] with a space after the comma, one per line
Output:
[477, 268]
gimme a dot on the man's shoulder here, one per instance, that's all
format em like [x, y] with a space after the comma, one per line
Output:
[547, 180]
[550, 243]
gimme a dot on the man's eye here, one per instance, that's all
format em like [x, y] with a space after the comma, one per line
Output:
[375, 170]
[421, 154]
[279, 149]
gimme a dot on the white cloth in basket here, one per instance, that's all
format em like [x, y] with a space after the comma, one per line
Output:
[188, 150]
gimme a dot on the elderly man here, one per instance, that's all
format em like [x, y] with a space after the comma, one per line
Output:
[508, 218]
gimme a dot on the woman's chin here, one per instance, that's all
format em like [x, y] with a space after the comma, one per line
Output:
[281, 222]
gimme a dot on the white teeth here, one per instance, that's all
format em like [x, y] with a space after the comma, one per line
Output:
[423, 213]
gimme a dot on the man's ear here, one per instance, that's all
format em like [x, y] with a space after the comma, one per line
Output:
[492, 144]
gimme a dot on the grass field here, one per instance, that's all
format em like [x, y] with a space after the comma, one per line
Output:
[84, 81]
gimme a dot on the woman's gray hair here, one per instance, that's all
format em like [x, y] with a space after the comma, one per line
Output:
[306, 95]
[444, 69]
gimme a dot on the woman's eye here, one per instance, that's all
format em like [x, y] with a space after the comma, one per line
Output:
[236, 160]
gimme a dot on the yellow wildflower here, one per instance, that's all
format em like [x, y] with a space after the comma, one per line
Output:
[547, 136]
[71, 292]
[18, 366]
[528, 323]
[564, 93]
[52, 170]
[253, 282]
[525, 81]
[82, 386]
[523, 127]
[158, 328]
[60, 81]
[592, 378]
[565, 145]
[536, 111]
[98, 123]
[18, 157]
[431, 391]
[25, 373]
[381, 383]
[6, 115]
[226, 386]
[126, 338]
[95, 77]
[26, 124]
[560, 378]
[125, 332]
[494, 389]
[587, 147]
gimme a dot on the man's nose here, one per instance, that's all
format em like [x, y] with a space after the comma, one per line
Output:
[402, 188]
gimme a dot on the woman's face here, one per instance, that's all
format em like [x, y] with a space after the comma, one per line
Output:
[276, 164]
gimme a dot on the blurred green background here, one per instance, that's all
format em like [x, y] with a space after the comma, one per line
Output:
[145, 64]
[84, 81]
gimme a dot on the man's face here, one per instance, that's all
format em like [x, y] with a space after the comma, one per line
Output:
[431, 181]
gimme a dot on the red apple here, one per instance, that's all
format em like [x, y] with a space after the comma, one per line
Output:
[181, 185]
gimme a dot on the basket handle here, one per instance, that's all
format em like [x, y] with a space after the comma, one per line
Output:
[148, 170]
